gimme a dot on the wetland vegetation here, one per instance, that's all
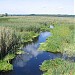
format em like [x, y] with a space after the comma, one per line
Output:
[16, 31]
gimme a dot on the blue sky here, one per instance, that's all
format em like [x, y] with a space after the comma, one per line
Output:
[37, 6]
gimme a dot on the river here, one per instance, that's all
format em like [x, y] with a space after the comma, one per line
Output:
[29, 63]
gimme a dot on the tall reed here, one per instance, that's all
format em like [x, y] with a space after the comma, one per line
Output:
[8, 40]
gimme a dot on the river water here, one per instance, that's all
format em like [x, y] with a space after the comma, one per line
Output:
[29, 63]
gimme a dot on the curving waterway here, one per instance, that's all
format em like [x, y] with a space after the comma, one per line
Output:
[29, 63]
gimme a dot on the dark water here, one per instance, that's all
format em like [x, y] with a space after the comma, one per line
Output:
[29, 63]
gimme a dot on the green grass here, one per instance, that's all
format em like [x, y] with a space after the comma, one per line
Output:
[14, 32]
[17, 30]
[5, 63]
[8, 40]
[26, 23]
[62, 40]
[27, 36]
[4, 66]
[9, 57]
[20, 52]
[58, 66]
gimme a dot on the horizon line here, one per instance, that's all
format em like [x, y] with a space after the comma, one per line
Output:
[34, 14]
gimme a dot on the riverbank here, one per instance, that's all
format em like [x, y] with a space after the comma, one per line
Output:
[25, 38]
[61, 41]
[16, 31]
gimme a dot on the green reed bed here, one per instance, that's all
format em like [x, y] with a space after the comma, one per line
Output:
[5, 64]
[10, 42]
[15, 31]
[61, 41]
[58, 67]
[13, 34]
[62, 37]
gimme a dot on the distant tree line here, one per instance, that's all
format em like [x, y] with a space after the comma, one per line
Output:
[2, 15]
[51, 15]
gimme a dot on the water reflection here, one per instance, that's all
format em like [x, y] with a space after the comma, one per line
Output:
[68, 57]
[28, 63]
[31, 50]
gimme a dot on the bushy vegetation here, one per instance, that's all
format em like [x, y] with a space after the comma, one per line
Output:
[15, 31]
[5, 66]
[8, 40]
[9, 57]
[27, 23]
[27, 36]
[62, 39]
[58, 66]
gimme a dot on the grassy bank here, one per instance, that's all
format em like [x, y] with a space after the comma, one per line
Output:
[17, 30]
[61, 41]
[11, 42]
[58, 67]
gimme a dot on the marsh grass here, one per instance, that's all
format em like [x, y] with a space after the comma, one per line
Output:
[62, 40]
[58, 66]
[8, 40]
[15, 31]
[5, 66]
